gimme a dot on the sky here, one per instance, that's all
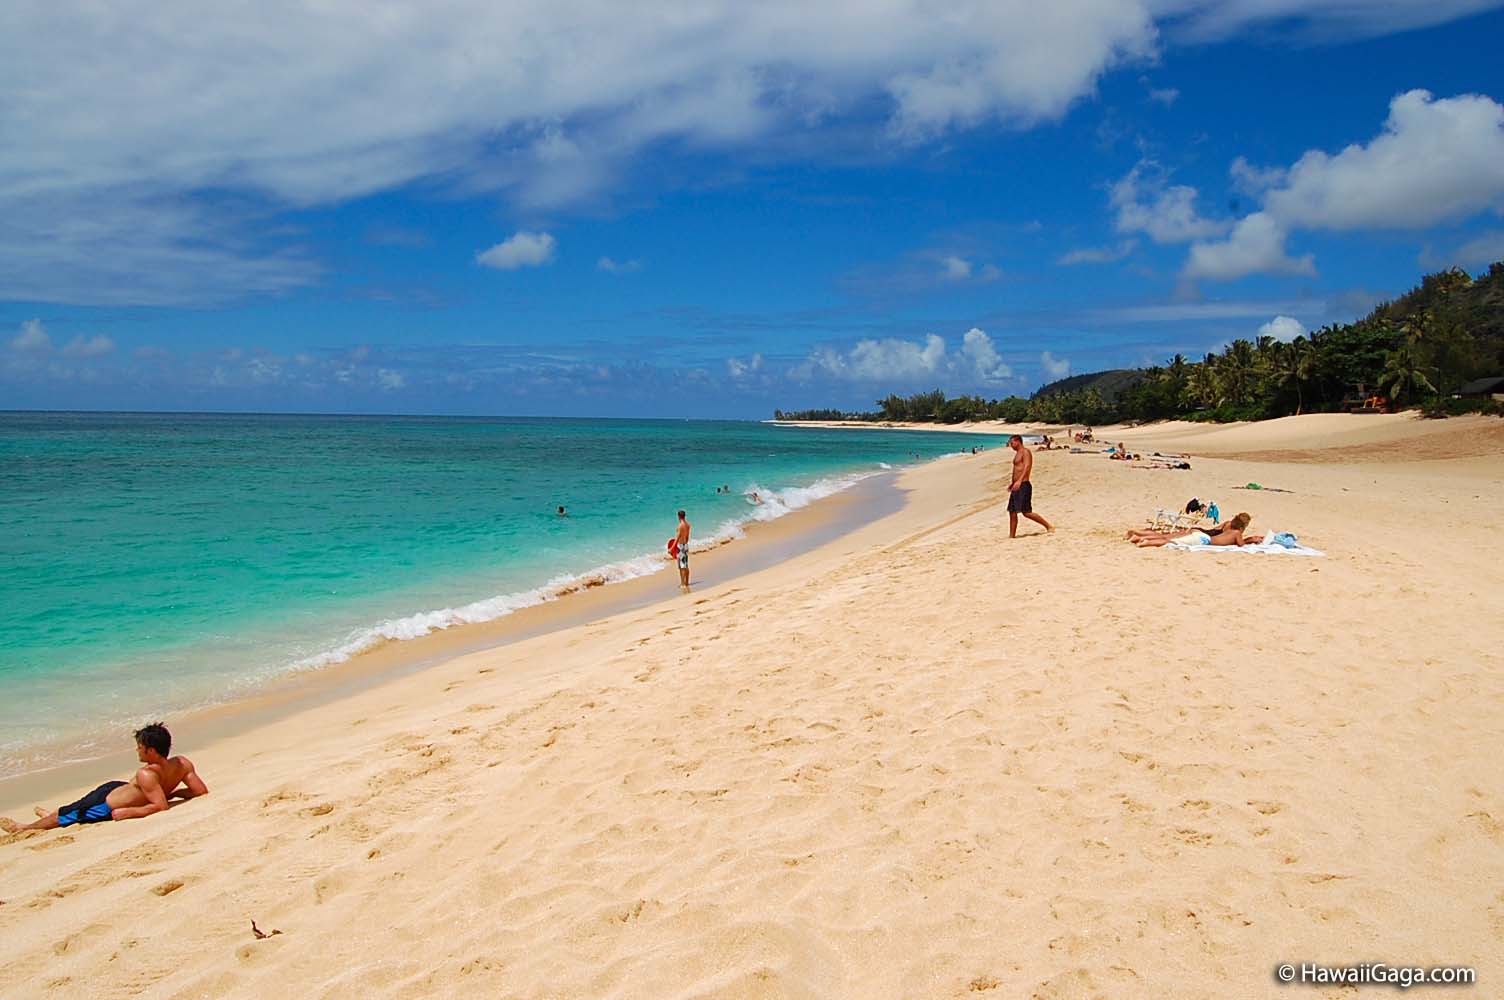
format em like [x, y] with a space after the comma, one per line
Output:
[662, 209]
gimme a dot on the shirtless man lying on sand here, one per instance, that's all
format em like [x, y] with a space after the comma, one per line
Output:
[146, 793]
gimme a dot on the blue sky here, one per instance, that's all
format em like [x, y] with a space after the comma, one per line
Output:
[616, 210]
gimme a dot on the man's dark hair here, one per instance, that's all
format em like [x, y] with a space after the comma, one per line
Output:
[1017, 437]
[681, 515]
[155, 737]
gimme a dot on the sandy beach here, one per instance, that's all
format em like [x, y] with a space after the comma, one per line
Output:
[918, 760]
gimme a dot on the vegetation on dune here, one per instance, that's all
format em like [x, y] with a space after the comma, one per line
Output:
[1412, 352]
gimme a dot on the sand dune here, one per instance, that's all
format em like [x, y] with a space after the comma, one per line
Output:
[920, 761]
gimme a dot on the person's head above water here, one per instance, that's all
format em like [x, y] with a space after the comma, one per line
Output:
[153, 743]
[561, 508]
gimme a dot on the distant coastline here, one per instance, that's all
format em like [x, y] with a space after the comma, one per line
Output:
[1439, 348]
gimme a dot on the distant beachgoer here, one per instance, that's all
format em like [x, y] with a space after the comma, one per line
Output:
[147, 792]
[561, 511]
[683, 539]
[1021, 490]
[756, 499]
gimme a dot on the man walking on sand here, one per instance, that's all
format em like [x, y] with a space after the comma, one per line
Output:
[683, 539]
[147, 792]
[1021, 491]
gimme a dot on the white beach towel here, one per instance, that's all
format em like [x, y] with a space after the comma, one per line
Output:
[1269, 548]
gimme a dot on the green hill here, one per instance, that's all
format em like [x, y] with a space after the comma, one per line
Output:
[1109, 384]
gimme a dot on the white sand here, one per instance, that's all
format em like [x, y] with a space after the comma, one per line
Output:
[921, 761]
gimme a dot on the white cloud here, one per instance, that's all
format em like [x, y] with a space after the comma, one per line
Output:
[1099, 255]
[1283, 328]
[1312, 20]
[1164, 95]
[1256, 246]
[737, 368]
[89, 347]
[1254, 180]
[1435, 161]
[33, 338]
[301, 105]
[611, 266]
[522, 249]
[955, 268]
[1053, 367]
[885, 359]
[388, 379]
[978, 350]
[898, 361]
[1486, 248]
[1147, 203]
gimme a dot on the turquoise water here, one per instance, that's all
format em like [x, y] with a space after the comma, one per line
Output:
[154, 562]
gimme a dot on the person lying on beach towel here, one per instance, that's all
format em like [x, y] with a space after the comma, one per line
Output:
[1278, 543]
[147, 792]
[1229, 533]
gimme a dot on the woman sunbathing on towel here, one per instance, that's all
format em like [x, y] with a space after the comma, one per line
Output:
[1229, 533]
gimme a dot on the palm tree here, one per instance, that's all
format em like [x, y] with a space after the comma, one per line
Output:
[1294, 363]
[1403, 373]
[1201, 383]
[1237, 371]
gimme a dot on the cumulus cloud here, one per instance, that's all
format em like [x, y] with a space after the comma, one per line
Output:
[1434, 161]
[979, 353]
[1147, 203]
[1255, 246]
[1164, 95]
[1283, 328]
[89, 347]
[899, 361]
[32, 338]
[612, 266]
[1053, 367]
[1099, 255]
[522, 249]
[388, 379]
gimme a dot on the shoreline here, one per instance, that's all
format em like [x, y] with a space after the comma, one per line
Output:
[761, 544]
[921, 759]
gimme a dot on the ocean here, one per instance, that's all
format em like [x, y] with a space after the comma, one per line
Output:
[152, 563]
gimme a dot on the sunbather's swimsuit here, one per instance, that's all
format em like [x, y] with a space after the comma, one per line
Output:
[1197, 538]
[92, 808]
[1021, 500]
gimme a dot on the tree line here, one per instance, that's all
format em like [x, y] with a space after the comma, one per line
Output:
[1414, 351]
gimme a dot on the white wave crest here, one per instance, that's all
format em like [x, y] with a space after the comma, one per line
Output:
[771, 504]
